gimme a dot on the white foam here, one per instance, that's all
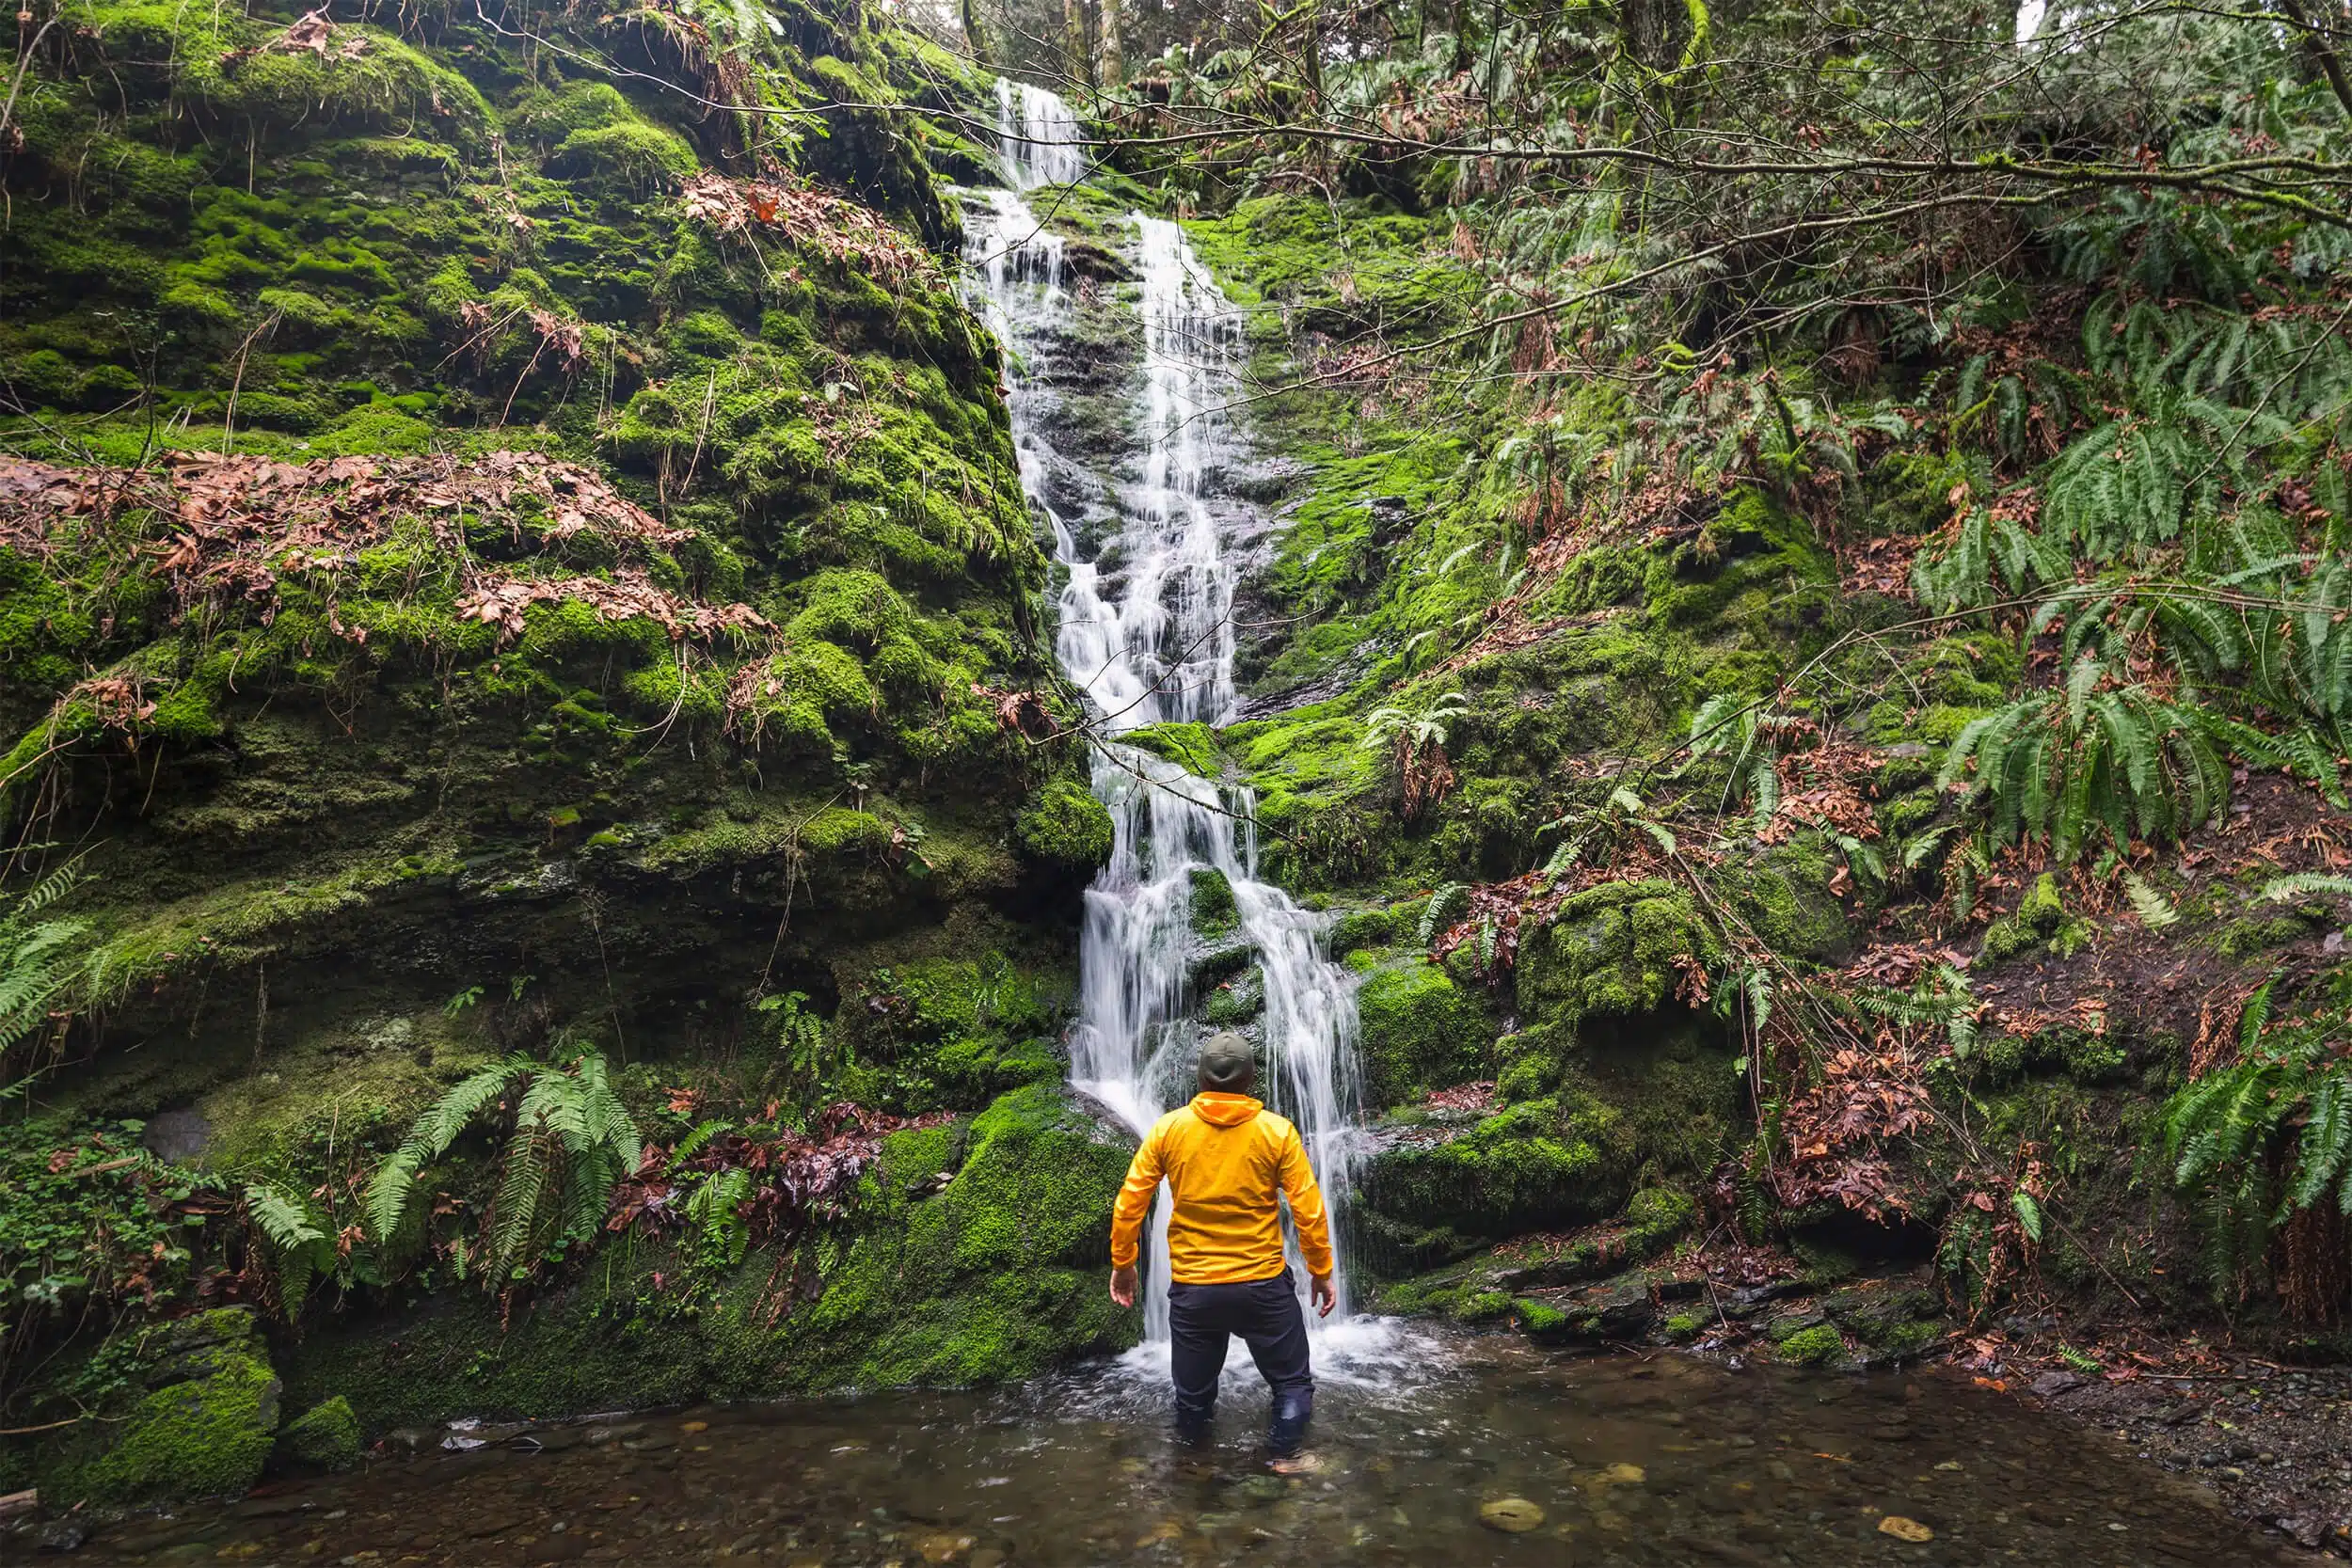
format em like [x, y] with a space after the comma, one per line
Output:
[1379, 1354]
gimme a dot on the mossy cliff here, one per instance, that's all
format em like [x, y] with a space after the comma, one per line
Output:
[1642, 797]
[510, 541]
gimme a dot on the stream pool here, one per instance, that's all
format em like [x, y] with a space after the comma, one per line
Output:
[1658, 1460]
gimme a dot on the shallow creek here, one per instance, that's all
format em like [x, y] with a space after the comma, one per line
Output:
[1665, 1461]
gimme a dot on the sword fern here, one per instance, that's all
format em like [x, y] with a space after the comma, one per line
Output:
[571, 1142]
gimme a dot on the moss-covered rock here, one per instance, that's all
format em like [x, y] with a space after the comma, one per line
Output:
[988, 1259]
[1065, 827]
[2039, 921]
[324, 1438]
[1541, 1165]
[1820, 1345]
[1215, 915]
[1421, 1032]
[206, 1425]
[1613, 950]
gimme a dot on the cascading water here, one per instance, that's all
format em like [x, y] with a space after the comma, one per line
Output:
[1146, 631]
[1039, 136]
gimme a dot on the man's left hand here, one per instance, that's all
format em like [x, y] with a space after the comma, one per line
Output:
[1123, 1286]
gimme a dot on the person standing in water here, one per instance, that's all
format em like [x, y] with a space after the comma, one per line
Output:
[1228, 1162]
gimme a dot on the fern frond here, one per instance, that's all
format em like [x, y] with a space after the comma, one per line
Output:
[2306, 884]
[2155, 911]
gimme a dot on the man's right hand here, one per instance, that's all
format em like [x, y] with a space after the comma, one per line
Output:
[1123, 1286]
[1325, 1298]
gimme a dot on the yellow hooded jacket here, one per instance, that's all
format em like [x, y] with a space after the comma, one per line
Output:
[1225, 1156]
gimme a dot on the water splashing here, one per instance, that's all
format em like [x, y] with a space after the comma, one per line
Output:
[1146, 630]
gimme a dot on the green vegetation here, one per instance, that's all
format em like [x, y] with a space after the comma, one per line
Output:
[205, 1429]
[2264, 1144]
[996, 1275]
[324, 1438]
[1812, 667]
[1421, 1032]
[572, 1141]
[1813, 1347]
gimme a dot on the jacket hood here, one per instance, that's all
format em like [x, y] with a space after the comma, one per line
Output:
[1225, 1110]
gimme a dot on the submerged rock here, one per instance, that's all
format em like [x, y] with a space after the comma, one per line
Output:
[1512, 1516]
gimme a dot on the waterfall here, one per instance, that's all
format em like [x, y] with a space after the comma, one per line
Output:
[1037, 137]
[1145, 630]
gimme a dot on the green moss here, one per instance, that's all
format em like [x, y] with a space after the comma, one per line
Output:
[1233, 1003]
[1065, 826]
[1537, 1320]
[2039, 921]
[1613, 950]
[1654, 1217]
[1818, 1346]
[1421, 1032]
[1191, 747]
[326, 1437]
[2243, 939]
[624, 158]
[1213, 913]
[1539, 1165]
[206, 1435]
[998, 1274]
[1360, 928]
[549, 116]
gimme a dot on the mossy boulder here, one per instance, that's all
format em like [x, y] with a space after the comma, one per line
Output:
[206, 1424]
[1421, 1032]
[628, 157]
[1065, 827]
[1614, 949]
[1893, 1320]
[1214, 913]
[324, 1438]
[987, 1258]
[1655, 1219]
[1544, 1165]
[1626, 949]
[1820, 1345]
[1359, 929]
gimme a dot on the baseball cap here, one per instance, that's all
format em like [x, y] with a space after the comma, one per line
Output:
[1226, 1066]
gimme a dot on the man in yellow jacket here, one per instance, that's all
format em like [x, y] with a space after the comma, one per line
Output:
[1228, 1162]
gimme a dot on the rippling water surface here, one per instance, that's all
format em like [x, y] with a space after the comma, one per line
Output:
[1666, 1461]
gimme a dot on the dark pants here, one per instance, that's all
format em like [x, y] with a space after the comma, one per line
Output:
[1202, 1319]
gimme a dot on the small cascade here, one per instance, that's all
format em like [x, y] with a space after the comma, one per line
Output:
[1145, 629]
[1038, 137]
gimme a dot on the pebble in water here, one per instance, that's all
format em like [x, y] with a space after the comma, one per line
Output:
[1513, 1515]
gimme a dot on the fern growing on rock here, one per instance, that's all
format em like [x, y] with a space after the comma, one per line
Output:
[294, 1243]
[571, 1143]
